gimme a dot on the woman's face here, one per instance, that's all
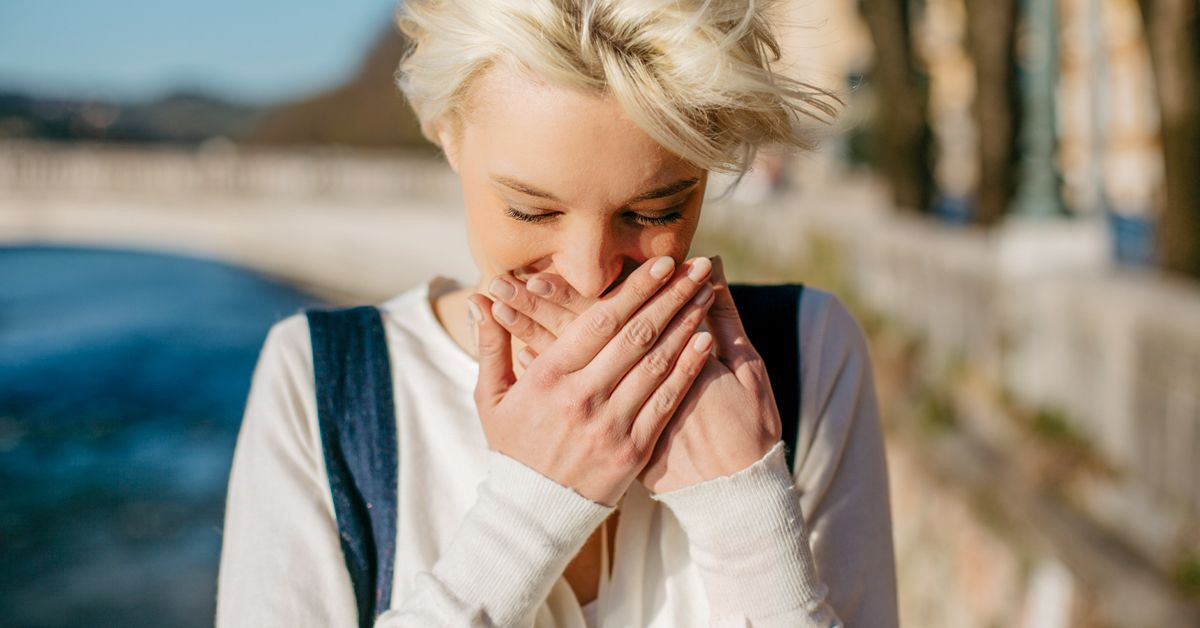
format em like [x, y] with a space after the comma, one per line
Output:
[561, 181]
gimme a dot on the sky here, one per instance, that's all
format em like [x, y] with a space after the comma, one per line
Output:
[251, 51]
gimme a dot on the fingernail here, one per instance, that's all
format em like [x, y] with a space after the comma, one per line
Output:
[703, 295]
[700, 267]
[501, 288]
[506, 314]
[524, 357]
[473, 313]
[703, 342]
[662, 267]
[540, 287]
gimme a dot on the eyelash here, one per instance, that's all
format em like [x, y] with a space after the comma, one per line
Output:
[649, 221]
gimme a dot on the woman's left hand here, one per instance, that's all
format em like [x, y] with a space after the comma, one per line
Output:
[728, 419]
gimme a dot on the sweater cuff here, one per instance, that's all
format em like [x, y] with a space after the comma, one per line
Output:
[747, 536]
[516, 540]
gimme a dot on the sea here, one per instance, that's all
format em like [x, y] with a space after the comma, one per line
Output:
[123, 378]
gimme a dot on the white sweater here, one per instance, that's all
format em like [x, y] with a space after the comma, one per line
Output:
[483, 540]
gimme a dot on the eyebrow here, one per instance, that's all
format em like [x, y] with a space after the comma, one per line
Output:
[663, 191]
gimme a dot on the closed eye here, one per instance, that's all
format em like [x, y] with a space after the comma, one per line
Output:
[655, 221]
[523, 217]
[650, 221]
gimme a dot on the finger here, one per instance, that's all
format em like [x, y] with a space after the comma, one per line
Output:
[592, 330]
[641, 332]
[526, 356]
[726, 325]
[522, 327]
[657, 411]
[555, 289]
[495, 355]
[648, 373]
[550, 315]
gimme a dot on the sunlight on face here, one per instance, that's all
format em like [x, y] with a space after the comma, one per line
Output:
[561, 181]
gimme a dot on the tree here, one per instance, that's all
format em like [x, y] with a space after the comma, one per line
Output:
[1173, 34]
[991, 40]
[904, 145]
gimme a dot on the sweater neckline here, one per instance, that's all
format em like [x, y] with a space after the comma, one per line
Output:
[419, 302]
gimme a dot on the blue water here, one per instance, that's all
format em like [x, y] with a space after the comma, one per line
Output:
[123, 376]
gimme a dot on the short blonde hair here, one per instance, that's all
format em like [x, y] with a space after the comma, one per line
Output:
[695, 75]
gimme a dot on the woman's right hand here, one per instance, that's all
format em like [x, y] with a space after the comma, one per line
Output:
[588, 412]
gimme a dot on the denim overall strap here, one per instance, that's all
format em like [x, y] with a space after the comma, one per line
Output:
[358, 435]
[771, 316]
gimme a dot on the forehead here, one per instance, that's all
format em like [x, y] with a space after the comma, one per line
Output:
[579, 145]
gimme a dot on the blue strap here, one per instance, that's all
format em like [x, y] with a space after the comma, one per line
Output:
[771, 315]
[358, 434]
[358, 423]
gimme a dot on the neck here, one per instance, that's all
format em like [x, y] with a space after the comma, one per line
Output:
[451, 311]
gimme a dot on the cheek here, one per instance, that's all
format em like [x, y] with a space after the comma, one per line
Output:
[674, 242]
[500, 243]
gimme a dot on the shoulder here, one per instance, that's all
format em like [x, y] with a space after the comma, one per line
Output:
[828, 334]
[287, 347]
[837, 379]
[281, 406]
[831, 338]
[839, 430]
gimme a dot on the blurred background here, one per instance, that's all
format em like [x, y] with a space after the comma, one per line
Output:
[1009, 202]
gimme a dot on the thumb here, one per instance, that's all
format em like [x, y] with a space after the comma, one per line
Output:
[494, 344]
[723, 318]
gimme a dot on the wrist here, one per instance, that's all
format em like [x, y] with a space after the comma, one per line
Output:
[747, 536]
[714, 508]
[517, 538]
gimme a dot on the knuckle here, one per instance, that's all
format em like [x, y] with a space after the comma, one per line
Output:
[723, 310]
[664, 399]
[524, 302]
[690, 317]
[683, 290]
[558, 323]
[657, 363]
[490, 346]
[580, 405]
[628, 454]
[602, 323]
[643, 290]
[640, 333]
[545, 375]
[576, 407]
[525, 327]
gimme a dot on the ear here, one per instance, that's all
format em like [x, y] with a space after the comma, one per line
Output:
[447, 140]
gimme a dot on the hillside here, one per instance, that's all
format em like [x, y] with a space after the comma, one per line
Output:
[368, 110]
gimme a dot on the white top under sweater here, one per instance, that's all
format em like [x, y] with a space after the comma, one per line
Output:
[483, 540]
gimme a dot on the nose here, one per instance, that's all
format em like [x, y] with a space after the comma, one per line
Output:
[591, 259]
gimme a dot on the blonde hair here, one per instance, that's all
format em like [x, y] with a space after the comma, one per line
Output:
[695, 75]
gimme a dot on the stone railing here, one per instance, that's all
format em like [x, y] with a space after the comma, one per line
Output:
[1039, 308]
[221, 169]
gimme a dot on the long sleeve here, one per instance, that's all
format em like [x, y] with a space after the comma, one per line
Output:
[512, 546]
[281, 561]
[746, 535]
[813, 548]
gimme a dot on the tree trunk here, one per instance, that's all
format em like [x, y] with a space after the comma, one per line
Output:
[1173, 35]
[991, 38]
[901, 106]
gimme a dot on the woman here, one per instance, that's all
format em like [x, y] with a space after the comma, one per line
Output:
[586, 436]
